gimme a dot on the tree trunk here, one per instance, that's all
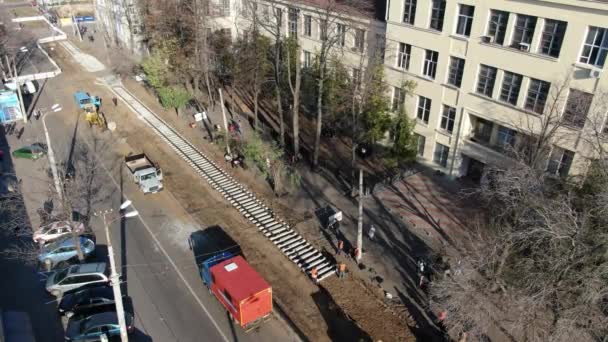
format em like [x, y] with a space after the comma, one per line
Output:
[295, 92]
[315, 158]
[69, 212]
[277, 81]
[256, 108]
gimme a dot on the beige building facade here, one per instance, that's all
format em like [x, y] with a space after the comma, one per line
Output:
[491, 72]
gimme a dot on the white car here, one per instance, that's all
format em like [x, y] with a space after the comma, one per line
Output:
[55, 230]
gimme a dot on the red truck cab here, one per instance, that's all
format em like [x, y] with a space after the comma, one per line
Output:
[242, 291]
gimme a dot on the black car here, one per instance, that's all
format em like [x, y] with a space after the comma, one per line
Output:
[87, 301]
[90, 328]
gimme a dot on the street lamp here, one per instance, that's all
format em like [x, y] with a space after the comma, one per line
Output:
[114, 276]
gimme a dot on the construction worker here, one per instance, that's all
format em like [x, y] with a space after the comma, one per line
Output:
[313, 274]
[355, 252]
[342, 270]
[340, 247]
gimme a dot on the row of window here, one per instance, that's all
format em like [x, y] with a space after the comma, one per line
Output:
[559, 162]
[595, 49]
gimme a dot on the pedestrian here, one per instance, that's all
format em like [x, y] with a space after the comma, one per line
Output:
[313, 274]
[115, 101]
[341, 270]
[355, 253]
[340, 247]
[371, 232]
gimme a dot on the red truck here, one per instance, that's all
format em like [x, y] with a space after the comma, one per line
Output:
[242, 291]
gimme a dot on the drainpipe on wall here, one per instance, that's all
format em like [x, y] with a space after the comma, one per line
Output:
[457, 140]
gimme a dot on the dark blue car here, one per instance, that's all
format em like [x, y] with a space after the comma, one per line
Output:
[87, 301]
[90, 328]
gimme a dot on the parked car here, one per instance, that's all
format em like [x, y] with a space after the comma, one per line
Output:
[29, 152]
[55, 230]
[90, 328]
[76, 277]
[87, 301]
[63, 250]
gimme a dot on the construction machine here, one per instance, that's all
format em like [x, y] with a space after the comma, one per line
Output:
[90, 105]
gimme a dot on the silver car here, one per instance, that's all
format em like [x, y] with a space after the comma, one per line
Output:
[62, 251]
[76, 276]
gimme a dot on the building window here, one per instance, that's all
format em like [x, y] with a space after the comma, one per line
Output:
[308, 25]
[577, 108]
[398, 99]
[341, 28]
[485, 83]
[293, 22]
[323, 29]
[278, 14]
[225, 8]
[307, 59]
[465, 20]
[359, 39]
[403, 56]
[437, 14]
[537, 95]
[409, 12]
[424, 109]
[506, 138]
[441, 155]
[497, 26]
[447, 119]
[380, 46]
[482, 131]
[553, 36]
[420, 142]
[560, 162]
[596, 47]
[511, 84]
[524, 30]
[456, 71]
[430, 63]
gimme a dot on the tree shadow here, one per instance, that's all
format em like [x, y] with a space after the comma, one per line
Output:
[341, 327]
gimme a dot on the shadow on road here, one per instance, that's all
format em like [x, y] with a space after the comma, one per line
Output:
[21, 288]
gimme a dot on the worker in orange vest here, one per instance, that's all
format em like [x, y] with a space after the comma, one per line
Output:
[342, 270]
[313, 274]
[340, 247]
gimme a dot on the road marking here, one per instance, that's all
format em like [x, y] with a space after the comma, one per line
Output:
[162, 249]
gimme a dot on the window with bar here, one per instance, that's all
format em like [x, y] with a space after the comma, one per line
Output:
[398, 99]
[293, 22]
[308, 25]
[442, 153]
[430, 63]
[437, 14]
[486, 80]
[553, 37]
[403, 56]
[447, 119]
[465, 20]
[511, 84]
[595, 49]
[341, 30]
[424, 109]
[456, 71]
[359, 39]
[497, 27]
[524, 30]
[537, 95]
[577, 108]
[409, 12]
[560, 162]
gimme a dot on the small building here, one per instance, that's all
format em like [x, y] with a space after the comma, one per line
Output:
[10, 110]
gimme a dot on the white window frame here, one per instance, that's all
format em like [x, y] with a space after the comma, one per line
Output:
[468, 20]
[448, 118]
[429, 67]
[308, 25]
[403, 57]
[444, 155]
[423, 109]
[602, 49]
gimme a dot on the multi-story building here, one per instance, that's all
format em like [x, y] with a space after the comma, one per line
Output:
[491, 73]
[121, 20]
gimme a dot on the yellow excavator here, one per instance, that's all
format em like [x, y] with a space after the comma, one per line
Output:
[90, 105]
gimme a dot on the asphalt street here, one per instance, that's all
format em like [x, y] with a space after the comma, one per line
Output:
[169, 301]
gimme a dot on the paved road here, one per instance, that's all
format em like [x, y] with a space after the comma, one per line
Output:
[169, 300]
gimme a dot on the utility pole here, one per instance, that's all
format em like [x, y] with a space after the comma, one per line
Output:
[225, 122]
[18, 86]
[114, 276]
[360, 219]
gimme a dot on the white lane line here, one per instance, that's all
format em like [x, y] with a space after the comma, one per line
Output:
[162, 249]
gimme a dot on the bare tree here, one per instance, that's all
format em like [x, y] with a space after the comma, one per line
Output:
[294, 77]
[332, 17]
[537, 271]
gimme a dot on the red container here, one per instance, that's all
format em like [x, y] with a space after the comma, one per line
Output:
[242, 291]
